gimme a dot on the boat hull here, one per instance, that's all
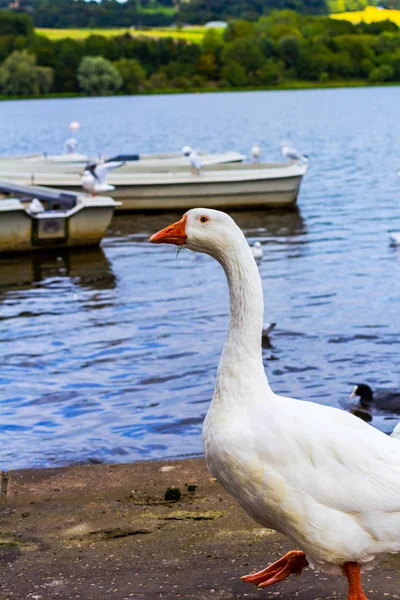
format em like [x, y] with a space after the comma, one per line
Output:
[83, 226]
[222, 195]
[219, 186]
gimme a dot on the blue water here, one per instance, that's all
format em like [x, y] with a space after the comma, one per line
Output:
[111, 354]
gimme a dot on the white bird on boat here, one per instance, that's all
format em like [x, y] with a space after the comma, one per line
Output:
[70, 145]
[186, 150]
[36, 207]
[257, 250]
[94, 178]
[292, 154]
[256, 153]
[195, 161]
[319, 475]
[394, 237]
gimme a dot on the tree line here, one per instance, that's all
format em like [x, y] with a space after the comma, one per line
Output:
[275, 50]
[157, 13]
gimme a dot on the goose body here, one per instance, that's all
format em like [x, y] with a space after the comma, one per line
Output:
[317, 474]
[396, 432]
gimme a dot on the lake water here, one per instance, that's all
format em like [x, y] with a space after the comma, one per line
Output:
[111, 354]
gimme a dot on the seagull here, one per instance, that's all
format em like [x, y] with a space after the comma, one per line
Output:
[257, 251]
[186, 150]
[36, 207]
[195, 162]
[255, 152]
[394, 237]
[94, 179]
[292, 154]
[70, 145]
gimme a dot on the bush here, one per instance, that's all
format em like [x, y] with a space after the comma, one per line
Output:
[235, 74]
[271, 73]
[132, 73]
[97, 76]
[381, 74]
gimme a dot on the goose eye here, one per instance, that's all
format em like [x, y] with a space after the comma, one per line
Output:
[204, 219]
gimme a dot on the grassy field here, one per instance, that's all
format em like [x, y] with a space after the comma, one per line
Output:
[191, 34]
[371, 14]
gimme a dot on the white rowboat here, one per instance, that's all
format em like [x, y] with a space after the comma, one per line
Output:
[230, 186]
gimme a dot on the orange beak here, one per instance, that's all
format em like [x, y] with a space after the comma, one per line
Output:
[173, 234]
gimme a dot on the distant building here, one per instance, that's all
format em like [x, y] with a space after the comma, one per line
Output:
[216, 25]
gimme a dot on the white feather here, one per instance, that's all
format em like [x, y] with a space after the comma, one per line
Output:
[321, 476]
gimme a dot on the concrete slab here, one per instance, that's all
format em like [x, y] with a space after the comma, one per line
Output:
[106, 531]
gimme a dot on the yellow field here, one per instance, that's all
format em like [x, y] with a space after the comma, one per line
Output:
[191, 34]
[370, 14]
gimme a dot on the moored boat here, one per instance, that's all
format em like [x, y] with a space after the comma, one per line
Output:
[34, 218]
[43, 162]
[230, 186]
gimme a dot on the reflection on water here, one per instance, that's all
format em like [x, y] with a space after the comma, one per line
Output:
[85, 266]
[111, 354]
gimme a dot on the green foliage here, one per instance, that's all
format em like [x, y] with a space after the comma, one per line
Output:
[98, 77]
[15, 24]
[234, 74]
[19, 76]
[132, 73]
[277, 49]
[245, 52]
[381, 74]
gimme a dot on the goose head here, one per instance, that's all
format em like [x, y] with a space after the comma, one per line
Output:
[203, 230]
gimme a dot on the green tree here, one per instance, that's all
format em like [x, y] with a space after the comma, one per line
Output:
[246, 52]
[19, 76]
[381, 74]
[132, 73]
[271, 72]
[290, 47]
[97, 76]
[235, 74]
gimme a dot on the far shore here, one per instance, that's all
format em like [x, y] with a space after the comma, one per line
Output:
[287, 86]
[111, 531]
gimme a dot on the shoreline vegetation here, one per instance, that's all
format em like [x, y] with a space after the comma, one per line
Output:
[284, 50]
[287, 86]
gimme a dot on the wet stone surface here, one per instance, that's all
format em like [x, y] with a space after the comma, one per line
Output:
[106, 531]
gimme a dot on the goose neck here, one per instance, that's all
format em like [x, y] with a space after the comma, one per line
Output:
[246, 305]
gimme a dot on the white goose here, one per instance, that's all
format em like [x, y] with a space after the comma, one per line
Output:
[317, 474]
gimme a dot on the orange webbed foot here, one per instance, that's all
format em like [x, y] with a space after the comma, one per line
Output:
[292, 562]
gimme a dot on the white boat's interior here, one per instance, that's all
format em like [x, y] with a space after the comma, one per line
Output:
[41, 163]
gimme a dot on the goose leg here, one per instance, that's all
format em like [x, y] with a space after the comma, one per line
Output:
[353, 574]
[292, 562]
